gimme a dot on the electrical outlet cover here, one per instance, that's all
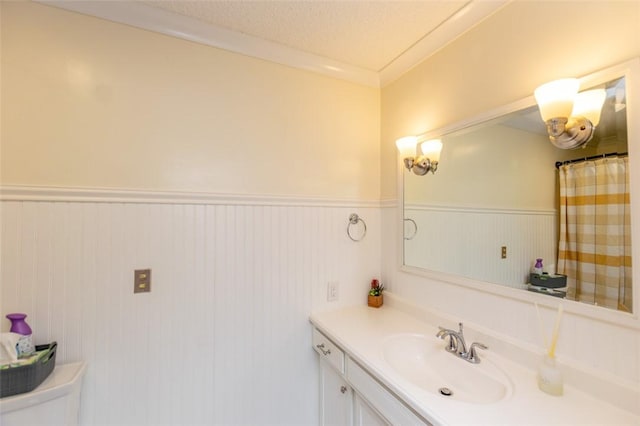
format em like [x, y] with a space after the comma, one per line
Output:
[332, 291]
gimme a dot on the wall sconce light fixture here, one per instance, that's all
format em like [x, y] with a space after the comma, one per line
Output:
[423, 163]
[571, 117]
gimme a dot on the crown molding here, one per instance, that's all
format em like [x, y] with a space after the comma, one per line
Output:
[141, 15]
[470, 15]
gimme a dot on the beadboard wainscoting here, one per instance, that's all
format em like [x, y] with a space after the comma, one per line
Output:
[468, 241]
[223, 337]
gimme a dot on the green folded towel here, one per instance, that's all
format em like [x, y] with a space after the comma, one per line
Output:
[32, 359]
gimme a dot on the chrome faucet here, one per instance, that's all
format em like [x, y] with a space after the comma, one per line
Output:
[458, 346]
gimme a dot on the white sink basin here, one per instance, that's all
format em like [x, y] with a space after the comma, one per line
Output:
[423, 361]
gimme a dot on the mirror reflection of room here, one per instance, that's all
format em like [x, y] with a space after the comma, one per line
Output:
[568, 207]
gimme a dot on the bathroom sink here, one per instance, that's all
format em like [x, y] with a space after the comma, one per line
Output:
[423, 361]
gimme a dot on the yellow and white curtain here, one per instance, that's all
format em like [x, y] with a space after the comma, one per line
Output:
[594, 249]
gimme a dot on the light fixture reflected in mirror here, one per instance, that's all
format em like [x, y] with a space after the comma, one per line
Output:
[422, 163]
[571, 117]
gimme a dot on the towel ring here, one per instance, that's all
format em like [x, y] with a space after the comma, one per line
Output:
[353, 220]
[415, 229]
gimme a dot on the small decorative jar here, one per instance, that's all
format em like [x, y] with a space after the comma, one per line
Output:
[374, 299]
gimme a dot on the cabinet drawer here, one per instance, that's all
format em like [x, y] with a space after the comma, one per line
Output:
[327, 350]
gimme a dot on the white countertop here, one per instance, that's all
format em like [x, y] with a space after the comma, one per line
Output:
[360, 331]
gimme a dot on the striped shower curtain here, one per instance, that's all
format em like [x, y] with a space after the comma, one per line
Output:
[594, 248]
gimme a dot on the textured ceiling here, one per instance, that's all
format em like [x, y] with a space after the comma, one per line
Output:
[367, 34]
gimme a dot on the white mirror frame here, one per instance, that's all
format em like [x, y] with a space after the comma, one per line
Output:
[631, 71]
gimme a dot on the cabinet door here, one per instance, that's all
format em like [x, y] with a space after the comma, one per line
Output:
[364, 415]
[335, 397]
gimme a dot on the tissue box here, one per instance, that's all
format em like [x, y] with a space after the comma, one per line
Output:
[548, 281]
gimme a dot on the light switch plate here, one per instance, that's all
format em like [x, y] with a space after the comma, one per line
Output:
[142, 281]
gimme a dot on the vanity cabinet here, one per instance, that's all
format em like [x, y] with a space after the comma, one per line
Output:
[395, 412]
[336, 403]
[364, 414]
[348, 392]
[335, 397]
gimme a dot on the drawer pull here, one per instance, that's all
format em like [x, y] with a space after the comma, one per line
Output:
[343, 389]
[321, 347]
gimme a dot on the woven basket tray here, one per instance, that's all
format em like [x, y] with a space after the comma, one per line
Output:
[17, 380]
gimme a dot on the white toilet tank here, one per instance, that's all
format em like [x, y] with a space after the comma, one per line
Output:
[55, 402]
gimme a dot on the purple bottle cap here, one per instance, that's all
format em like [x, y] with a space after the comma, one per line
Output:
[18, 324]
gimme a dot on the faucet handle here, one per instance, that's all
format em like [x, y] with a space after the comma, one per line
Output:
[472, 356]
[452, 346]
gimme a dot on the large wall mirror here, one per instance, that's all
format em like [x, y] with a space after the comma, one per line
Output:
[503, 196]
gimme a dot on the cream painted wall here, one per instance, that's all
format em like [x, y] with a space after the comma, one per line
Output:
[84, 101]
[503, 60]
[93, 104]
[498, 62]
[490, 169]
[90, 103]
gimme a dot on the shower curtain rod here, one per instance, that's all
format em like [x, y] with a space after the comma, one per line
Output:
[593, 157]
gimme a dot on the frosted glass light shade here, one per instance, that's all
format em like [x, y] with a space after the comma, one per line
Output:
[407, 146]
[589, 105]
[555, 99]
[431, 149]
